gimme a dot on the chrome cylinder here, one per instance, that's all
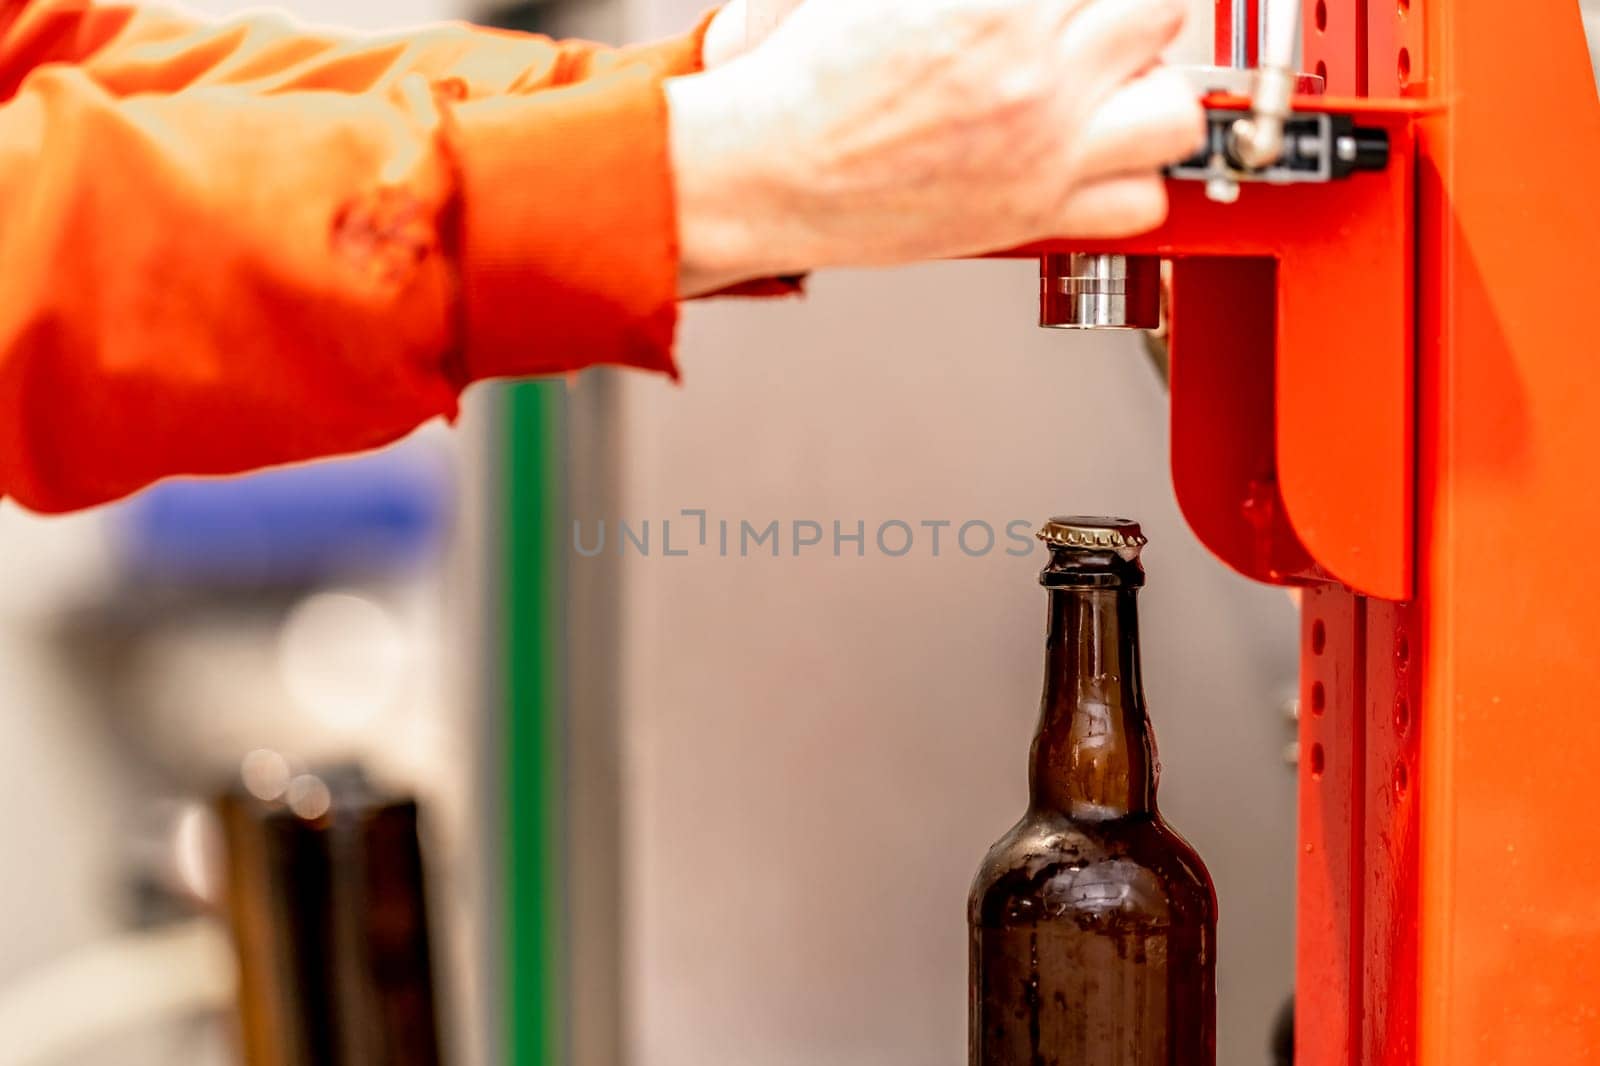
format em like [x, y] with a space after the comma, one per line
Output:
[1096, 291]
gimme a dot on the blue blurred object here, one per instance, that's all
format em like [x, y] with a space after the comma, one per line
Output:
[371, 516]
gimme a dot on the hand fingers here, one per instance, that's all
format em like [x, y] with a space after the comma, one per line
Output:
[1115, 207]
[1114, 40]
[1148, 123]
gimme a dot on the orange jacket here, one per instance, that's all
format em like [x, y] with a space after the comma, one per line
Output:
[228, 246]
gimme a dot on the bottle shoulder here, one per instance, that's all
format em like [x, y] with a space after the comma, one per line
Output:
[1051, 867]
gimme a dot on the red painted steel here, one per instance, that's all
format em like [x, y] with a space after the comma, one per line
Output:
[1509, 568]
[1332, 721]
[1393, 779]
[1360, 702]
[1333, 43]
[1224, 374]
[1396, 49]
[1376, 1015]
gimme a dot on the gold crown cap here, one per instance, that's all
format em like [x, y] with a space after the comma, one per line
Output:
[1090, 533]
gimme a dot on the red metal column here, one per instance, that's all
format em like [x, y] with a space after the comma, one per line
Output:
[1392, 783]
[1333, 35]
[1357, 917]
[1330, 942]
[1362, 664]
[1396, 58]
[1509, 528]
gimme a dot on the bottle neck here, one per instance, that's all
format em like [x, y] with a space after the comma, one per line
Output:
[1093, 756]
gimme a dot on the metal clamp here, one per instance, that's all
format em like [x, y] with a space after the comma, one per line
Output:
[1317, 147]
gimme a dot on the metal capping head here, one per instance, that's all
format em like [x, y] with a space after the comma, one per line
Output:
[1080, 290]
[1091, 534]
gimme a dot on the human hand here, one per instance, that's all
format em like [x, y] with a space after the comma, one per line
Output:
[898, 130]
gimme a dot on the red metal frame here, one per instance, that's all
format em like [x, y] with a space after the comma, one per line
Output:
[1410, 427]
[1509, 859]
[1359, 830]
[1295, 496]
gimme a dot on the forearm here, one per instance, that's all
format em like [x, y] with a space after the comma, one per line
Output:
[215, 278]
[730, 194]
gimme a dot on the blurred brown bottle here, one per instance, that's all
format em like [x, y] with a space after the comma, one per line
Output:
[328, 904]
[1092, 923]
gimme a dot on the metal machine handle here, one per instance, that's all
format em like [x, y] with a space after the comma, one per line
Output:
[1257, 140]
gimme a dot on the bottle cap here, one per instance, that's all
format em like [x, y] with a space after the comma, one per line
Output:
[1093, 534]
[1088, 552]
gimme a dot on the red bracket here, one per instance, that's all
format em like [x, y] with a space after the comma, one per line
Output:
[1313, 479]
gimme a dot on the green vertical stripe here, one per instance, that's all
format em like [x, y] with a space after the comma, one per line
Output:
[531, 634]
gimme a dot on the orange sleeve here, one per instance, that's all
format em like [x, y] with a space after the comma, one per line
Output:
[235, 245]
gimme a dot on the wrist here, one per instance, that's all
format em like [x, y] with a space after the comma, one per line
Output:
[735, 202]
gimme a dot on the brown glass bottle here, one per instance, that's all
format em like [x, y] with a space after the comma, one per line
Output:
[1093, 924]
